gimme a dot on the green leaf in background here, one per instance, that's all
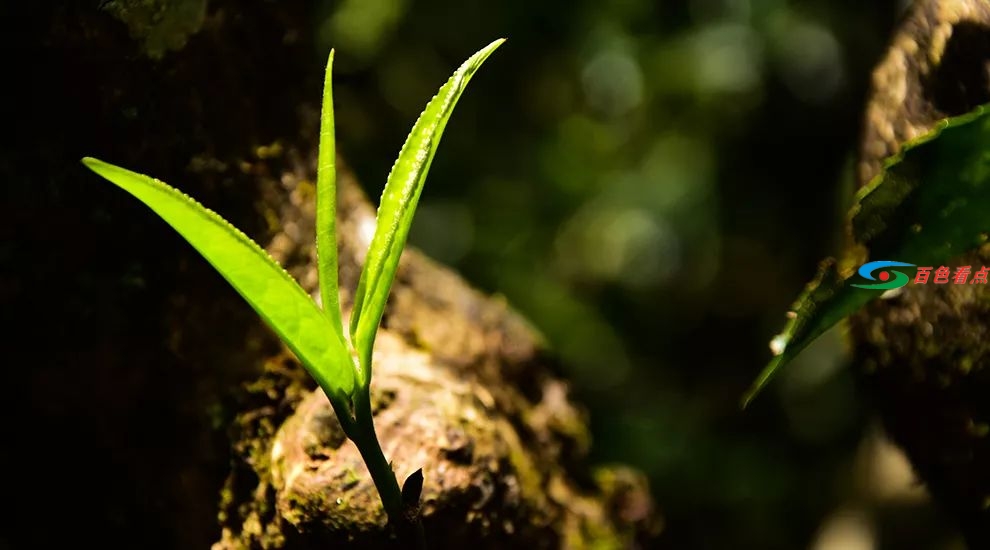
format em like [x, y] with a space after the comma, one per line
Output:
[826, 300]
[326, 208]
[398, 204]
[277, 298]
[929, 204]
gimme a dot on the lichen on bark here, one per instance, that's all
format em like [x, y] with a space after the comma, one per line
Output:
[161, 25]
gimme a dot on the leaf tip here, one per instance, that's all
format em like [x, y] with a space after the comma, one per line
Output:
[483, 54]
[747, 398]
[750, 395]
[761, 381]
[98, 166]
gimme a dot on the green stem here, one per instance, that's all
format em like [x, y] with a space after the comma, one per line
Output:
[359, 426]
[366, 440]
[371, 451]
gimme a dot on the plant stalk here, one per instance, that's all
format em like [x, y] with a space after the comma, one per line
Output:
[371, 451]
[361, 430]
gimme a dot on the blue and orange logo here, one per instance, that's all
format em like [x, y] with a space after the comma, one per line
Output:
[887, 278]
[891, 278]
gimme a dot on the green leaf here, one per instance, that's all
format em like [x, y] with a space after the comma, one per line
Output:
[280, 301]
[398, 204]
[326, 209]
[826, 300]
[929, 204]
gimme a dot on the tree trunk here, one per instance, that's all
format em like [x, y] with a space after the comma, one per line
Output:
[924, 354]
[154, 392]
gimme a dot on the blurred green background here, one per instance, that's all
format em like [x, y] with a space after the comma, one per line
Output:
[652, 183]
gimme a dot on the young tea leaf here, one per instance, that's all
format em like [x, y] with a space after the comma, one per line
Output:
[929, 203]
[398, 204]
[277, 298]
[326, 208]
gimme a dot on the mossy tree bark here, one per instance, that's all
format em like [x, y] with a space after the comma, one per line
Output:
[462, 389]
[925, 355]
[164, 395]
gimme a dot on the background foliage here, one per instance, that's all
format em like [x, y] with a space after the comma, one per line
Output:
[651, 183]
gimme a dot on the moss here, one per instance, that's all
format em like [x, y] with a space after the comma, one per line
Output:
[530, 478]
[978, 429]
[266, 152]
[496, 468]
[161, 25]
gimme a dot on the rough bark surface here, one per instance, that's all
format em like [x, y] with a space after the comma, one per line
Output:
[462, 388]
[925, 354]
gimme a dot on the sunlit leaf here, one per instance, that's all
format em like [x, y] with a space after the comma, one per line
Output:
[326, 208]
[277, 298]
[398, 204]
[929, 204]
